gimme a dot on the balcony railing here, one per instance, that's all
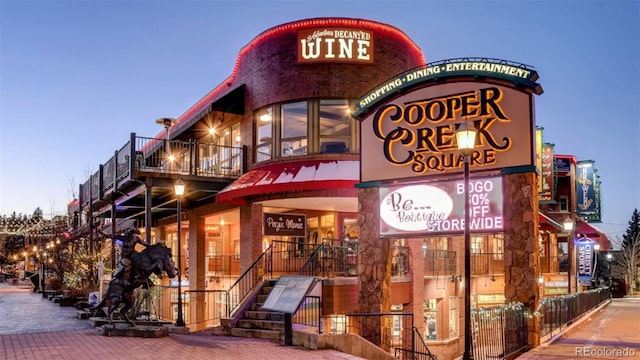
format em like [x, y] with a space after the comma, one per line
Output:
[159, 156]
[439, 262]
[487, 263]
[188, 158]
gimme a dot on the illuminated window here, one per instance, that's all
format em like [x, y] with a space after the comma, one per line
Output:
[476, 244]
[264, 134]
[498, 246]
[304, 127]
[453, 316]
[431, 319]
[294, 129]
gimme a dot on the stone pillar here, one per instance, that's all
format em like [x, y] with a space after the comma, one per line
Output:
[521, 256]
[250, 234]
[197, 266]
[374, 263]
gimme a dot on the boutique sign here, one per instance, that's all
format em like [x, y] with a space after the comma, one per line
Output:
[275, 224]
[438, 208]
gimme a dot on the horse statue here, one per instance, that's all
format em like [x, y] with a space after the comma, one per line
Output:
[154, 259]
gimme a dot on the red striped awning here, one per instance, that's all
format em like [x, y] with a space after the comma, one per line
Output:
[292, 176]
[547, 223]
[584, 229]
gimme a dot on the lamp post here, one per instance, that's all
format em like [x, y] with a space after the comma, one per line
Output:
[466, 138]
[594, 277]
[568, 226]
[609, 257]
[179, 191]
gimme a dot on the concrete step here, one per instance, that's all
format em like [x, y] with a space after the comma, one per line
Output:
[257, 333]
[263, 315]
[260, 324]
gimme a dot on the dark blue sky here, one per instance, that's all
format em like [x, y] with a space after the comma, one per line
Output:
[77, 77]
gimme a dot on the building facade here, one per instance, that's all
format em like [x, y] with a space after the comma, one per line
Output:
[335, 133]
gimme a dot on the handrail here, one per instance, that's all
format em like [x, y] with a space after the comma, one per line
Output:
[309, 268]
[419, 350]
[421, 346]
[244, 284]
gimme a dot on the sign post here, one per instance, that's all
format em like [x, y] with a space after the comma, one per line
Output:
[286, 297]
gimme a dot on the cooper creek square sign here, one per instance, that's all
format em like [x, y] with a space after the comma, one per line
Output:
[414, 134]
[438, 207]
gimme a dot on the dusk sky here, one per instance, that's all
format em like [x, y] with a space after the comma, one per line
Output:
[77, 77]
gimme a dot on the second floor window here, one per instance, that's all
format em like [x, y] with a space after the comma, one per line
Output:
[304, 127]
[294, 129]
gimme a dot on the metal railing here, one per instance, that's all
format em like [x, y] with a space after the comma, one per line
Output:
[308, 312]
[212, 306]
[329, 260]
[487, 263]
[153, 155]
[558, 312]
[499, 332]
[188, 158]
[439, 262]
[420, 350]
[259, 270]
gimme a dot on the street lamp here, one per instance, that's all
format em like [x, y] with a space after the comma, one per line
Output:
[594, 278]
[179, 191]
[609, 257]
[466, 139]
[568, 226]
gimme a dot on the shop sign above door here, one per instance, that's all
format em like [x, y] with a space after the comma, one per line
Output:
[276, 224]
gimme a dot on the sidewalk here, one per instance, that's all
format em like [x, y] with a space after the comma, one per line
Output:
[33, 328]
[611, 332]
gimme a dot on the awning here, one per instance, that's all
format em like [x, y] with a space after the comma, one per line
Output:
[584, 229]
[547, 223]
[290, 177]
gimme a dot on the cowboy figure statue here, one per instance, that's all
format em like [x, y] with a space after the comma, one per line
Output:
[129, 241]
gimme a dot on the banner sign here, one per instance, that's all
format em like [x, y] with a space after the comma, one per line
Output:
[585, 188]
[284, 224]
[438, 208]
[562, 164]
[539, 157]
[595, 216]
[547, 175]
[585, 259]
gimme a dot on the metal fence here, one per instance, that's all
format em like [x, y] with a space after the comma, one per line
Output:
[499, 332]
[558, 312]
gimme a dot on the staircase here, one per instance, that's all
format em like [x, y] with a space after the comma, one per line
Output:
[258, 323]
